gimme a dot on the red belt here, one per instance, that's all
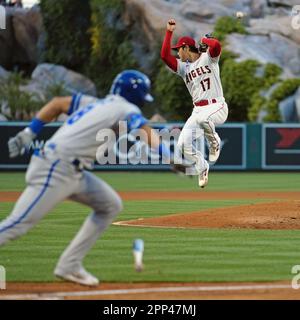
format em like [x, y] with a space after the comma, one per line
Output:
[202, 103]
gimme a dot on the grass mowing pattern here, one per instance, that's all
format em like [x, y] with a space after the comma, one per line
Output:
[164, 181]
[170, 254]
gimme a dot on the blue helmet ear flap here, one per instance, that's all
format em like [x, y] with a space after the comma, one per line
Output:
[132, 85]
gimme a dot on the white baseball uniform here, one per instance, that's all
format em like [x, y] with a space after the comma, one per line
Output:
[56, 173]
[202, 78]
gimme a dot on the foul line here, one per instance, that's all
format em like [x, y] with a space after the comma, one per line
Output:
[126, 224]
[62, 295]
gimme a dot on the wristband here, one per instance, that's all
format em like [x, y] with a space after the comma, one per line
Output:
[36, 125]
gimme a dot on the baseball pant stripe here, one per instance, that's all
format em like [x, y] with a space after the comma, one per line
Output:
[35, 201]
[77, 101]
[215, 112]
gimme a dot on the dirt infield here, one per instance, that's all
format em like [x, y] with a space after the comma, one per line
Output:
[284, 213]
[275, 215]
[151, 291]
[276, 210]
[6, 196]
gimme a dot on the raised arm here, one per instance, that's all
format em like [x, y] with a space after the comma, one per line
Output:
[165, 53]
[214, 46]
[49, 112]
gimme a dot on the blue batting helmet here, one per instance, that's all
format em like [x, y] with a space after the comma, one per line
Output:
[132, 85]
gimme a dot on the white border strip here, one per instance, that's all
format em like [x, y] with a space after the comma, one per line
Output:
[61, 295]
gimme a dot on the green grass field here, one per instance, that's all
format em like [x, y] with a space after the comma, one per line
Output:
[170, 254]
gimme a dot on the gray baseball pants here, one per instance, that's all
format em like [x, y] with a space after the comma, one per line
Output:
[51, 180]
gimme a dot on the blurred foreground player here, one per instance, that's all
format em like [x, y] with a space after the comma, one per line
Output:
[58, 170]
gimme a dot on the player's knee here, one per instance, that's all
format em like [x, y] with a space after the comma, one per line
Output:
[113, 206]
[117, 205]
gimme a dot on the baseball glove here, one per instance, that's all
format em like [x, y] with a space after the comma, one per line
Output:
[202, 46]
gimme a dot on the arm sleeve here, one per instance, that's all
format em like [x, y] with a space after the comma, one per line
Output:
[80, 101]
[135, 121]
[74, 103]
[214, 46]
[165, 52]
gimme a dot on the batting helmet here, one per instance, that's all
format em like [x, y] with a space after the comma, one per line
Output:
[132, 85]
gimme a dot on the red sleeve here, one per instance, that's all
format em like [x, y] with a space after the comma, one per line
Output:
[165, 52]
[214, 46]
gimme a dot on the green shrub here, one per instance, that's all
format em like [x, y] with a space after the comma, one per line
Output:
[111, 49]
[285, 89]
[172, 94]
[55, 90]
[22, 104]
[226, 55]
[227, 25]
[239, 84]
[67, 23]
[258, 102]
[271, 74]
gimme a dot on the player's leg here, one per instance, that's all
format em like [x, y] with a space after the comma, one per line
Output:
[186, 143]
[213, 139]
[190, 133]
[106, 204]
[216, 115]
[43, 192]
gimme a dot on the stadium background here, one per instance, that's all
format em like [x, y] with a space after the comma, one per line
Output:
[242, 231]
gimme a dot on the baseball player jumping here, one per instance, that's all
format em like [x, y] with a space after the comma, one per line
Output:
[200, 71]
[58, 170]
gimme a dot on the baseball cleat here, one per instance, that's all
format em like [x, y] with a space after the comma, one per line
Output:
[81, 276]
[139, 267]
[203, 177]
[214, 150]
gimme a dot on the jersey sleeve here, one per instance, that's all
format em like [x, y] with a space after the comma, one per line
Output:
[165, 52]
[181, 68]
[135, 121]
[79, 101]
[214, 48]
[213, 59]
